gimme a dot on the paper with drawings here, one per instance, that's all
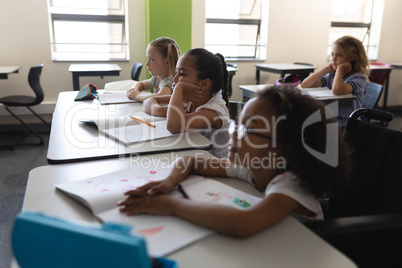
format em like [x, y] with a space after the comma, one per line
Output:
[163, 234]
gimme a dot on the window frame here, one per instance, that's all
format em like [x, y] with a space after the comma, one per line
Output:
[56, 16]
[260, 43]
[368, 27]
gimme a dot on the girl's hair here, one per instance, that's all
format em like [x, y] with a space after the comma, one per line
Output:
[294, 137]
[355, 53]
[213, 67]
[169, 49]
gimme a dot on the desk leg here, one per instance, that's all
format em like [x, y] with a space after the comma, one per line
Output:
[384, 105]
[257, 77]
[76, 82]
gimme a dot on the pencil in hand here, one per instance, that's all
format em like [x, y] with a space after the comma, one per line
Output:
[142, 121]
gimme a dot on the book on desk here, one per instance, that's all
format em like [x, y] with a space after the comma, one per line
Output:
[131, 129]
[163, 234]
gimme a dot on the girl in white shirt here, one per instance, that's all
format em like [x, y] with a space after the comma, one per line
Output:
[271, 149]
[195, 103]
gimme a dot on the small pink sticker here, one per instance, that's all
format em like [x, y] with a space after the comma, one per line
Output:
[152, 172]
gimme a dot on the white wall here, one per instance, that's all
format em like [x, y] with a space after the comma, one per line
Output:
[25, 41]
[298, 31]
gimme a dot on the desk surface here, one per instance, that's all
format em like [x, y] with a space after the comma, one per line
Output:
[93, 67]
[72, 141]
[9, 69]
[288, 244]
[283, 66]
[6, 70]
[397, 65]
[329, 97]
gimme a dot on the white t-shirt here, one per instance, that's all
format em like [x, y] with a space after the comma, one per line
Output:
[218, 137]
[287, 184]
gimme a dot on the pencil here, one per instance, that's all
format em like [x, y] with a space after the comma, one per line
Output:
[183, 193]
[142, 121]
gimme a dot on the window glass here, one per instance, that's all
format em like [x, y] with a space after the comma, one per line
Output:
[358, 18]
[233, 28]
[88, 30]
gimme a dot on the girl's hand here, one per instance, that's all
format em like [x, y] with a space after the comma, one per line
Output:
[330, 68]
[345, 67]
[153, 188]
[191, 92]
[132, 93]
[143, 203]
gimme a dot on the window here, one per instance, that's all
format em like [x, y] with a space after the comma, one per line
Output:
[358, 18]
[88, 30]
[236, 29]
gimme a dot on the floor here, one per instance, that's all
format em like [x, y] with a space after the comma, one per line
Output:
[14, 169]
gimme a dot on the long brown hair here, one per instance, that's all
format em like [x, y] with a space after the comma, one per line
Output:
[355, 53]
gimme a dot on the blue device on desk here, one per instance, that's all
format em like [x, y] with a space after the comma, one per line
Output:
[42, 241]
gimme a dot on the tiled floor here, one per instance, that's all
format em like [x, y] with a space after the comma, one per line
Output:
[14, 169]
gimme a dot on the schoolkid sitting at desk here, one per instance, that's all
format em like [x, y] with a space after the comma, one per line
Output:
[347, 73]
[267, 151]
[162, 56]
[195, 104]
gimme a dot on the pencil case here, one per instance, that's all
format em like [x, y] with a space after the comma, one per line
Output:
[87, 92]
[42, 241]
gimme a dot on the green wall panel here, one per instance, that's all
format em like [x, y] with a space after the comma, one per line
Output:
[171, 18]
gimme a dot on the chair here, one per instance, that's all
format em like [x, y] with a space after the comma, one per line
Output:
[235, 108]
[365, 219]
[230, 78]
[377, 77]
[372, 94]
[136, 71]
[28, 101]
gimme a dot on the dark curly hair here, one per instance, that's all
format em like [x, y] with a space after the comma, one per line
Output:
[299, 138]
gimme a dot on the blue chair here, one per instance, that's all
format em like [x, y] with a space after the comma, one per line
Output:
[136, 71]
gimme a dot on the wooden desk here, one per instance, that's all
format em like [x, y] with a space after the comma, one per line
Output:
[282, 69]
[6, 70]
[92, 70]
[288, 244]
[344, 100]
[387, 70]
[72, 141]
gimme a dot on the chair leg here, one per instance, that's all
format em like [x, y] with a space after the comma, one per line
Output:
[26, 126]
[43, 120]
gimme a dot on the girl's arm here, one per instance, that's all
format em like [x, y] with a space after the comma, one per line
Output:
[314, 79]
[338, 86]
[138, 87]
[157, 105]
[223, 219]
[177, 119]
[181, 168]
[163, 91]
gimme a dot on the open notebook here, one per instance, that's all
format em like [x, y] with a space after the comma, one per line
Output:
[128, 131]
[116, 92]
[163, 234]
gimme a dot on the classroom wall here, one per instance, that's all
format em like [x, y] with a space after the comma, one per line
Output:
[297, 31]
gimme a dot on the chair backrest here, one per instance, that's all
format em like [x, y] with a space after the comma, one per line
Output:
[235, 108]
[376, 183]
[34, 82]
[379, 77]
[372, 94]
[136, 71]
